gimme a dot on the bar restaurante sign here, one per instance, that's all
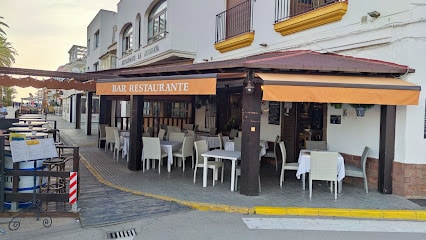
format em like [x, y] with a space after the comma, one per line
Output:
[194, 86]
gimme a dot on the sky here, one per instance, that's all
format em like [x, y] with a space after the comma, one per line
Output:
[42, 31]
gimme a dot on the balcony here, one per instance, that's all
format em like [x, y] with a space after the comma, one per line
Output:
[234, 28]
[297, 15]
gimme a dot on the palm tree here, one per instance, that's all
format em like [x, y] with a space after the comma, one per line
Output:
[7, 52]
[7, 58]
[8, 95]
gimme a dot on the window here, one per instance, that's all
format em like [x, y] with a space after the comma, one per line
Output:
[96, 43]
[127, 39]
[96, 66]
[157, 22]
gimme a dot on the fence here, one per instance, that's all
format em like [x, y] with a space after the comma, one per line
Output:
[42, 178]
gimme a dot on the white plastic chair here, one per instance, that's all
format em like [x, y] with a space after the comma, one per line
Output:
[237, 144]
[188, 126]
[152, 150]
[190, 133]
[355, 171]
[323, 167]
[109, 137]
[200, 148]
[161, 134]
[221, 143]
[102, 134]
[273, 153]
[118, 144]
[187, 150]
[285, 165]
[176, 136]
[316, 145]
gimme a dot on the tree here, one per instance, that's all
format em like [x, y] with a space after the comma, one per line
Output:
[8, 95]
[7, 52]
[7, 58]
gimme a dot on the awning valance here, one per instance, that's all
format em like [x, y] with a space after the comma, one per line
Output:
[204, 84]
[338, 89]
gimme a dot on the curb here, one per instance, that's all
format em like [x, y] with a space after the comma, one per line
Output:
[413, 215]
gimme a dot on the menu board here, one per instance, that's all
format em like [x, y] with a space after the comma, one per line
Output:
[274, 113]
[25, 150]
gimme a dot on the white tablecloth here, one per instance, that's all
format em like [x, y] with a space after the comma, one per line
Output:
[305, 164]
[212, 141]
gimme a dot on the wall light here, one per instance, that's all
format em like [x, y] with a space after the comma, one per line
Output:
[249, 88]
[263, 44]
[374, 14]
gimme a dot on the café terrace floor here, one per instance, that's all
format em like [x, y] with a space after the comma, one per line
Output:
[178, 186]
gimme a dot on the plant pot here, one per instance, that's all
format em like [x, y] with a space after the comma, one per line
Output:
[360, 111]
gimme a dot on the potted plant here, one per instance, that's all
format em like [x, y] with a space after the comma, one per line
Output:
[336, 105]
[361, 108]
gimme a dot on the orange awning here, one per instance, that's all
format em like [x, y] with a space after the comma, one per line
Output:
[204, 84]
[338, 89]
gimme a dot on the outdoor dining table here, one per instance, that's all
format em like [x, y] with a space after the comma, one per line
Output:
[30, 119]
[221, 154]
[212, 140]
[27, 129]
[29, 123]
[305, 167]
[168, 146]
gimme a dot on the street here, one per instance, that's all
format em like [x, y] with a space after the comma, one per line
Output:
[217, 225]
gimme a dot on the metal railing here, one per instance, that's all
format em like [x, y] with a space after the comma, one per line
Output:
[234, 21]
[285, 9]
[43, 196]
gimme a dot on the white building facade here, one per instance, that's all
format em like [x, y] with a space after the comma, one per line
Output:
[146, 32]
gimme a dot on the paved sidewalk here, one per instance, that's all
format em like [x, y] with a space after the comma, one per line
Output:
[178, 186]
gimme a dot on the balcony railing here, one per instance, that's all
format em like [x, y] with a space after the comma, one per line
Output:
[285, 9]
[234, 21]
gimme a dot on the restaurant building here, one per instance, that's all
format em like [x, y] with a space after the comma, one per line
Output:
[290, 67]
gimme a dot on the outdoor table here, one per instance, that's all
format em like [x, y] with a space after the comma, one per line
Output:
[29, 123]
[27, 129]
[221, 154]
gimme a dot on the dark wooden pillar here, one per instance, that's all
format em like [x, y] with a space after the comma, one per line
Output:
[250, 148]
[104, 114]
[386, 148]
[104, 110]
[78, 111]
[136, 131]
[89, 101]
[71, 109]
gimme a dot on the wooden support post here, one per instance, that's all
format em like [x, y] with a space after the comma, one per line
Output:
[89, 113]
[250, 148]
[386, 148]
[78, 111]
[136, 131]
